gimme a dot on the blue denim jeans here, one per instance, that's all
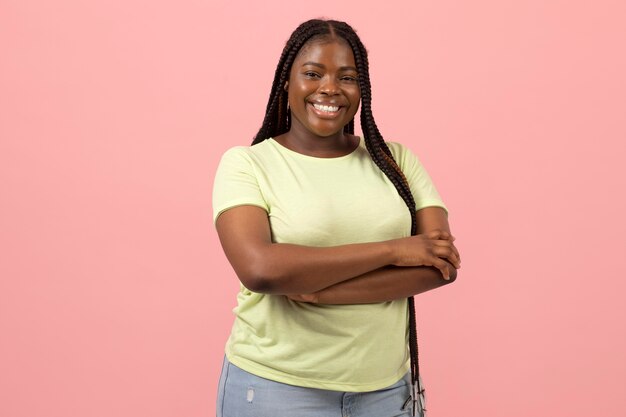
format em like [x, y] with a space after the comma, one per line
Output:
[242, 394]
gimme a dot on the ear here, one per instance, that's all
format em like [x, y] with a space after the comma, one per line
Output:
[286, 85]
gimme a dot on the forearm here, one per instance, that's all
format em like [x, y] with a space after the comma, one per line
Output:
[383, 284]
[283, 268]
[291, 269]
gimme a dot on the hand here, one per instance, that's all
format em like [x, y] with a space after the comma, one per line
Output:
[447, 236]
[428, 249]
[304, 298]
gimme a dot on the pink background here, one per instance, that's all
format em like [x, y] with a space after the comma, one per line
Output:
[115, 296]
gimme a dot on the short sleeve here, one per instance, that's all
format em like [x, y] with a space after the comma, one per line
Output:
[235, 182]
[424, 191]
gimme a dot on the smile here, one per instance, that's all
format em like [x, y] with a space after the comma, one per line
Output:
[327, 109]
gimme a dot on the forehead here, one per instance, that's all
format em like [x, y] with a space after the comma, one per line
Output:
[326, 51]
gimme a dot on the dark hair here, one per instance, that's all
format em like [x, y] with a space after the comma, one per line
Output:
[277, 121]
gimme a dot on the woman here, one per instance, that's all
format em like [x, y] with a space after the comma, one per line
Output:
[314, 221]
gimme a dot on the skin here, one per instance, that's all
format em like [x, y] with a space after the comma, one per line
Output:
[324, 72]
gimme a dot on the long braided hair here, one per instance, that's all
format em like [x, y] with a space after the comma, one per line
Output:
[278, 121]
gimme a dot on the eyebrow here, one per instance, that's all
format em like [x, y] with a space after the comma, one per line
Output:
[316, 64]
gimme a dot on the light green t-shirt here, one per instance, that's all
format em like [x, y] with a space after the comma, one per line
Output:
[320, 202]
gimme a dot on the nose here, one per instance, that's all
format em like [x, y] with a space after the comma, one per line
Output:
[329, 86]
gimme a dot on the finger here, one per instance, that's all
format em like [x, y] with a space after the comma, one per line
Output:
[303, 298]
[458, 255]
[448, 244]
[456, 251]
[434, 234]
[443, 234]
[455, 262]
[443, 267]
[440, 234]
[449, 254]
[448, 236]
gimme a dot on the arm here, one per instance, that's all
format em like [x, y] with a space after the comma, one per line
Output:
[384, 284]
[390, 282]
[271, 268]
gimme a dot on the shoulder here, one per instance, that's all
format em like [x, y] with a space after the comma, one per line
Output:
[245, 153]
[403, 155]
[397, 147]
[236, 152]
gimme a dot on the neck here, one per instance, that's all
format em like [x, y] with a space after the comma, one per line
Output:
[301, 140]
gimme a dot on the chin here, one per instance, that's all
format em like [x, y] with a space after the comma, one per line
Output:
[326, 132]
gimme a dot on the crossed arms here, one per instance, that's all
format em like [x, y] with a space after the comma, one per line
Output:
[347, 274]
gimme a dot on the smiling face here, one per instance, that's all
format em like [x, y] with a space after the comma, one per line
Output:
[323, 90]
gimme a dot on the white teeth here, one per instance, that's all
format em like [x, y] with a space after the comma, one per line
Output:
[326, 108]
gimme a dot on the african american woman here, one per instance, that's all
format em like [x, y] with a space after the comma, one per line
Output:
[331, 235]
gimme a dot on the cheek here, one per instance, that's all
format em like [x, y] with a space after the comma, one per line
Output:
[298, 93]
[355, 95]
[355, 98]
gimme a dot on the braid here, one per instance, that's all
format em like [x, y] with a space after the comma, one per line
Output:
[382, 157]
[277, 121]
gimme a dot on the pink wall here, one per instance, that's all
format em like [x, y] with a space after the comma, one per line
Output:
[115, 297]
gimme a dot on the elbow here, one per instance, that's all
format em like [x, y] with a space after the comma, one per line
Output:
[257, 283]
[259, 277]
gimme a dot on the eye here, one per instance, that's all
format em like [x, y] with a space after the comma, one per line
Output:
[311, 74]
[348, 78]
